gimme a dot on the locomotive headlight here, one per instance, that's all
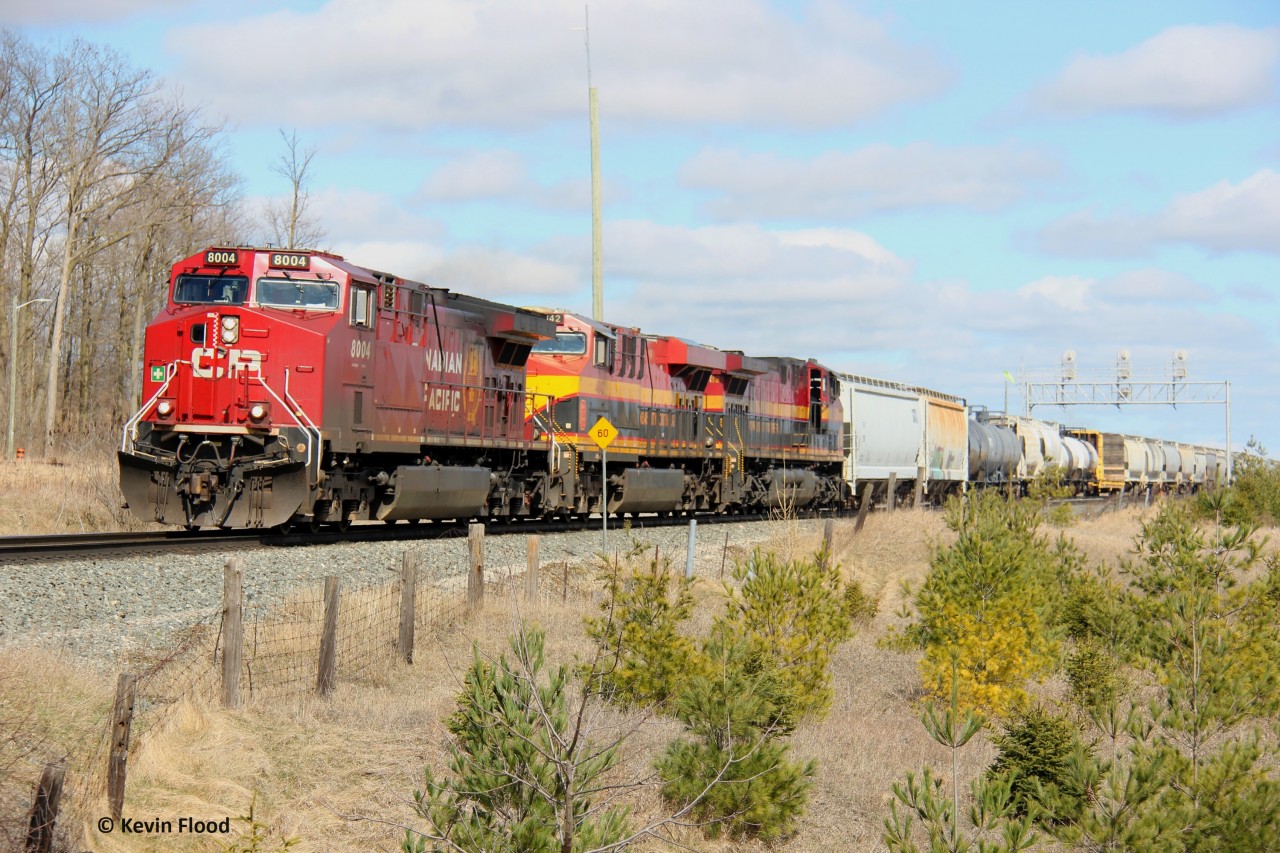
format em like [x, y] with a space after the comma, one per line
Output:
[257, 412]
[164, 409]
[231, 329]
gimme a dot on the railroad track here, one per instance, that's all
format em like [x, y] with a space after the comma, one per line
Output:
[23, 549]
[70, 545]
[74, 545]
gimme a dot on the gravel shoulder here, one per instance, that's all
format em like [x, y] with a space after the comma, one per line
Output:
[104, 609]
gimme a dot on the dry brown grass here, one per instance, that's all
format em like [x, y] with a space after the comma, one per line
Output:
[1109, 537]
[78, 496]
[339, 773]
[51, 711]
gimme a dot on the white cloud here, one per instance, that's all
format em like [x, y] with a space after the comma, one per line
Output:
[1225, 217]
[410, 259]
[495, 273]
[46, 12]
[408, 64]
[479, 175]
[1069, 293]
[1155, 285]
[843, 184]
[1183, 72]
[504, 176]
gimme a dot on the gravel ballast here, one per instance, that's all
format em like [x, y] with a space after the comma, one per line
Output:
[101, 609]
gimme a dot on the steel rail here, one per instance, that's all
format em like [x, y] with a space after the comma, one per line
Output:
[55, 547]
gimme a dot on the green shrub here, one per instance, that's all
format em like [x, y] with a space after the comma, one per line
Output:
[858, 606]
[1061, 515]
[645, 657]
[1092, 674]
[524, 771]
[985, 613]
[734, 770]
[1036, 748]
[792, 614]
[1253, 499]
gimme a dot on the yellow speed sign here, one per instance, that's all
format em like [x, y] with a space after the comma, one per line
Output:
[603, 433]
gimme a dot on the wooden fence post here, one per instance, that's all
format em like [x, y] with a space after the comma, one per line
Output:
[828, 534]
[893, 490]
[408, 602]
[921, 473]
[724, 555]
[531, 574]
[121, 721]
[868, 491]
[564, 591]
[44, 809]
[232, 631]
[475, 578]
[329, 639]
[691, 548]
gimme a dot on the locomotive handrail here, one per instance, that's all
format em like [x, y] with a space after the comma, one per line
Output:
[299, 414]
[170, 371]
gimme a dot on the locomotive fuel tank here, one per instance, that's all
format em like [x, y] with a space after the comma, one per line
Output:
[646, 490]
[433, 491]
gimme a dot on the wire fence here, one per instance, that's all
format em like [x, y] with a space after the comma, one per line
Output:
[282, 647]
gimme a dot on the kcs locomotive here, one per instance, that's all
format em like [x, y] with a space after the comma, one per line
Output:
[287, 387]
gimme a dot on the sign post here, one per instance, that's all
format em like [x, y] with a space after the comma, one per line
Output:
[603, 434]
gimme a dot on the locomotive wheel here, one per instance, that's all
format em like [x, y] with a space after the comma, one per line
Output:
[314, 524]
[342, 526]
[284, 528]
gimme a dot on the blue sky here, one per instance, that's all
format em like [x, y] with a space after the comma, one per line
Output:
[932, 192]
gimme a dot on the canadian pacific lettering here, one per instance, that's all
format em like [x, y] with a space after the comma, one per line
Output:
[444, 399]
[206, 364]
[447, 362]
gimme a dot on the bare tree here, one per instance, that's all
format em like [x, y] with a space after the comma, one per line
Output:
[28, 199]
[103, 183]
[115, 138]
[288, 219]
[195, 203]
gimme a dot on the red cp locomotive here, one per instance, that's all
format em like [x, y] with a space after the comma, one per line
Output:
[287, 386]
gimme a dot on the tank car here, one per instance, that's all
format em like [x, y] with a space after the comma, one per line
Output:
[285, 386]
[994, 452]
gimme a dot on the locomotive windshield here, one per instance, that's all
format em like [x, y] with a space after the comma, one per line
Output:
[564, 343]
[297, 293]
[211, 289]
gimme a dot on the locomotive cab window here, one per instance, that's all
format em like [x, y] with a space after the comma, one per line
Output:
[604, 352]
[211, 289]
[564, 343]
[362, 307]
[297, 293]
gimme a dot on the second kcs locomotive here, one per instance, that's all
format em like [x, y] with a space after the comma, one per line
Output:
[288, 387]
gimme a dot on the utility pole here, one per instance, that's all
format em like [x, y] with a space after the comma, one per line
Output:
[597, 275]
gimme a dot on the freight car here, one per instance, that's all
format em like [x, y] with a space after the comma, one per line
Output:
[1134, 463]
[290, 387]
[901, 439]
